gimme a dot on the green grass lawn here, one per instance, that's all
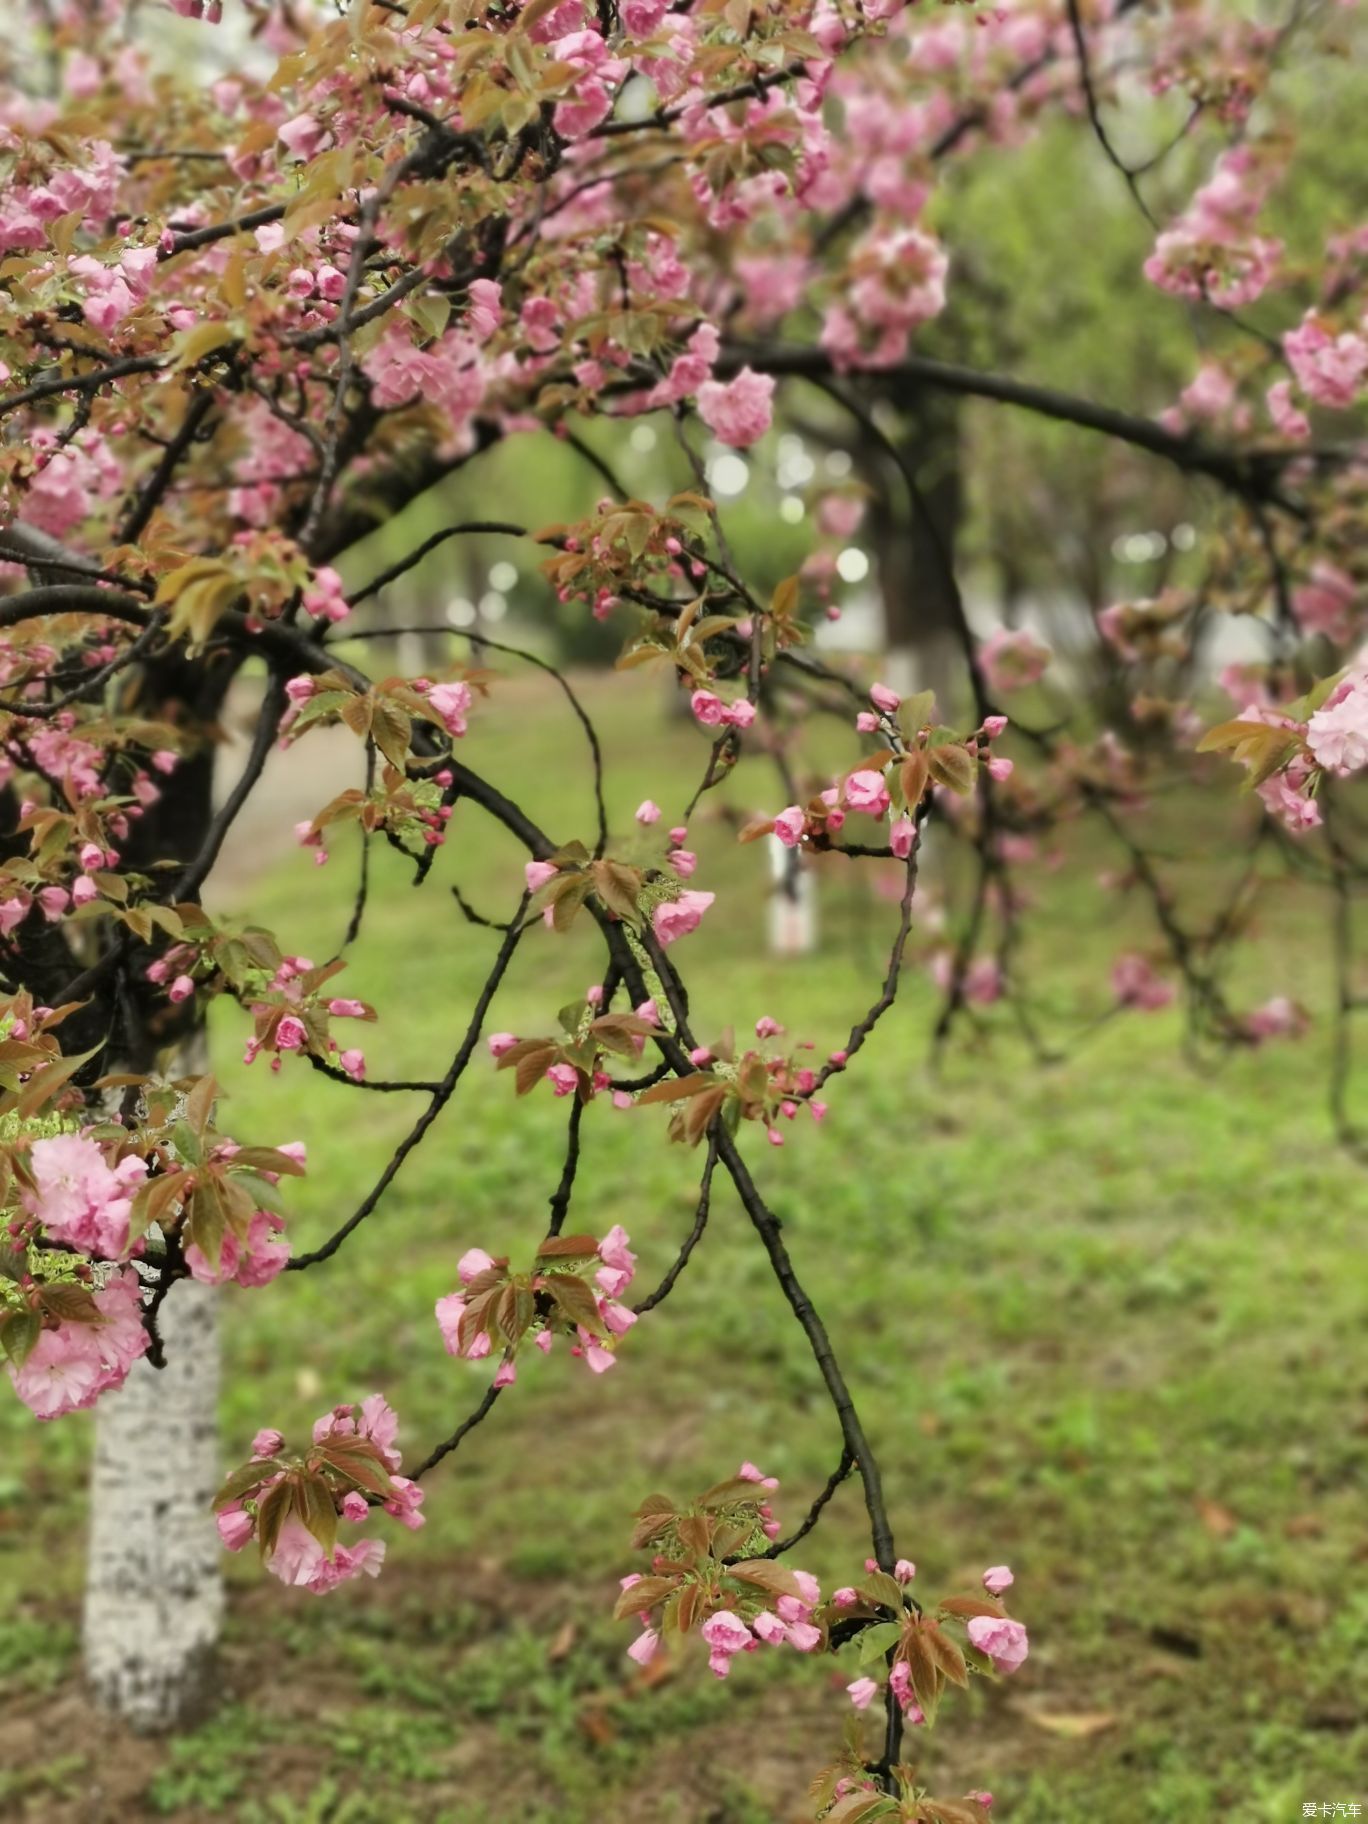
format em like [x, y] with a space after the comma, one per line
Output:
[1103, 1320]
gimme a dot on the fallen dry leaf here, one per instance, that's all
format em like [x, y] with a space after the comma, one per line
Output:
[1073, 1725]
[1305, 1526]
[563, 1641]
[1218, 1520]
[596, 1726]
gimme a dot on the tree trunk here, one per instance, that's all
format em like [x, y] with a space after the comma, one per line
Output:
[919, 617]
[154, 1590]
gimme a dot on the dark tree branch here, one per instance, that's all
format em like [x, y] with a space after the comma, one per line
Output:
[440, 1097]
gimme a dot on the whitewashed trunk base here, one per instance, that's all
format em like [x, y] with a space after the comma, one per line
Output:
[154, 1591]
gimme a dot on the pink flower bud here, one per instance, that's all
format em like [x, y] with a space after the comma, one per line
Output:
[789, 826]
[235, 1528]
[902, 837]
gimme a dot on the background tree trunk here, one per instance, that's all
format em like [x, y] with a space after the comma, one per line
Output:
[919, 619]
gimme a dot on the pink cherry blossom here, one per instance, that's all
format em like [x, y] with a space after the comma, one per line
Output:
[79, 1197]
[866, 791]
[676, 918]
[1330, 368]
[725, 1635]
[645, 1647]
[1004, 1641]
[451, 702]
[738, 412]
[1136, 985]
[1012, 658]
[1337, 733]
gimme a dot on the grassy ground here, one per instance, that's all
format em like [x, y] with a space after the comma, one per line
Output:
[1102, 1320]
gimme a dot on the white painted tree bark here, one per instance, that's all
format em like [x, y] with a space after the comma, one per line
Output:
[154, 1583]
[154, 1588]
[792, 919]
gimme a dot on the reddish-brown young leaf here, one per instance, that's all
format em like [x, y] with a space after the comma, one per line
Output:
[696, 1533]
[533, 1066]
[945, 1653]
[277, 1502]
[359, 1461]
[765, 1574]
[567, 1247]
[968, 1606]
[675, 1089]
[576, 1300]
[317, 1511]
[644, 1596]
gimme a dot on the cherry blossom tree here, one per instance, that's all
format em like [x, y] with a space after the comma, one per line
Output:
[247, 319]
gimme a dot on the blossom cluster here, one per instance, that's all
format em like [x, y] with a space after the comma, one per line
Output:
[712, 1573]
[292, 1502]
[89, 1211]
[574, 1290]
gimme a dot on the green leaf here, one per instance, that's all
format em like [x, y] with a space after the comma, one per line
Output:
[954, 766]
[876, 1642]
[245, 1481]
[19, 1331]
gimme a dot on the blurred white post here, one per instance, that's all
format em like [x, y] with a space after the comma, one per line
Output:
[792, 903]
